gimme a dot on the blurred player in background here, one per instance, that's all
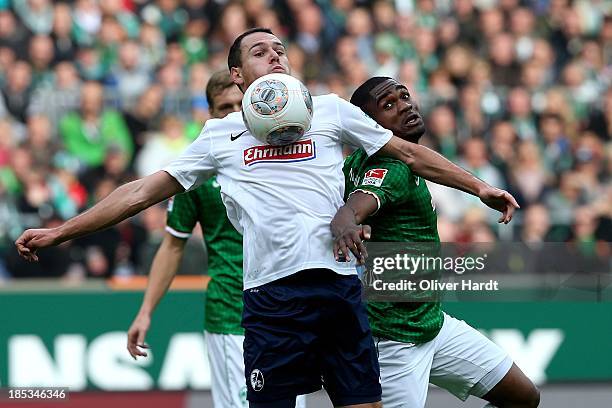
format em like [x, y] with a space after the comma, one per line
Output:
[417, 342]
[223, 308]
[305, 324]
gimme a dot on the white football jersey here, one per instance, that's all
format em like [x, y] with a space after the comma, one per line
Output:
[282, 199]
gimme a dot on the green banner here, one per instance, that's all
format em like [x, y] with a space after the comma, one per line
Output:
[78, 339]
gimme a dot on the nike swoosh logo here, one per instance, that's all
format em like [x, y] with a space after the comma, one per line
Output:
[232, 137]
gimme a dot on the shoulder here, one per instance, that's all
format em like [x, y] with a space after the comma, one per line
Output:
[327, 100]
[218, 131]
[231, 123]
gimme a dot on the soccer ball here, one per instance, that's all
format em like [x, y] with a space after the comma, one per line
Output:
[277, 109]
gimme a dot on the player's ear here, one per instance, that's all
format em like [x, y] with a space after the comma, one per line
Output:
[236, 74]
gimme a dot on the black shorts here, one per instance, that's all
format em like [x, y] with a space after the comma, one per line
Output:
[309, 330]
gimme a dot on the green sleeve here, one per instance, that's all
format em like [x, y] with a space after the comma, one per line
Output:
[388, 180]
[182, 215]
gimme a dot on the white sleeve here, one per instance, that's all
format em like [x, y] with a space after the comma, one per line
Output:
[196, 164]
[360, 130]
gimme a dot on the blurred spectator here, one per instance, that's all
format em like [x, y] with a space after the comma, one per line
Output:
[128, 78]
[529, 174]
[536, 224]
[145, 115]
[114, 169]
[503, 147]
[475, 159]
[17, 91]
[359, 26]
[522, 26]
[581, 90]
[467, 21]
[88, 133]
[441, 124]
[109, 39]
[65, 47]
[600, 120]
[87, 21]
[193, 41]
[556, 144]
[161, 148]
[90, 64]
[589, 157]
[41, 142]
[41, 55]
[564, 201]
[37, 15]
[152, 46]
[58, 97]
[128, 21]
[7, 142]
[472, 121]
[521, 114]
[505, 70]
[167, 15]
[44, 197]
[458, 62]
[177, 98]
[13, 34]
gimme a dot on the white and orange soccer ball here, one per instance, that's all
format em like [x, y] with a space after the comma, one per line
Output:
[277, 109]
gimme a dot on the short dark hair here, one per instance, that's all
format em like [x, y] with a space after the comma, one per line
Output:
[362, 96]
[234, 59]
[218, 82]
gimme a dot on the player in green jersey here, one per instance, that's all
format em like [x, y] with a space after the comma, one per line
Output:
[417, 342]
[223, 308]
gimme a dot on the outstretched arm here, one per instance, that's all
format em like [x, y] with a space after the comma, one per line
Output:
[435, 167]
[126, 201]
[163, 269]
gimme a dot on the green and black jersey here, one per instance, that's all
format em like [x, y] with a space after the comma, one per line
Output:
[223, 310]
[405, 214]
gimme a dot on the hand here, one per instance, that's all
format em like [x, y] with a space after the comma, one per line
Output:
[499, 200]
[33, 239]
[351, 240]
[136, 335]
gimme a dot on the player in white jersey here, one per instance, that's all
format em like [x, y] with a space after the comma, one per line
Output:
[223, 334]
[304, 322]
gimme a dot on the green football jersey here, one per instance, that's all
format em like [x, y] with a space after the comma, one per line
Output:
[223, 309]
[406, 214]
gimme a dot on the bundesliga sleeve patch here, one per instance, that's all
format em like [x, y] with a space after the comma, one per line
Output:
[374, 177]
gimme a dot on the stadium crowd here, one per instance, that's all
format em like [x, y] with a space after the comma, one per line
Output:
[97, 93]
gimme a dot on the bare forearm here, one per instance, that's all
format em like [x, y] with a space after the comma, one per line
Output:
[358, 207]
[124, 202]
[433, 166]
[344, 217]
[164, 267]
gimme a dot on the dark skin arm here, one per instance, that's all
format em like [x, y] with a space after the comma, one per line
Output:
[349, 234]
[434, 167]
[346, 226]
[126, 201]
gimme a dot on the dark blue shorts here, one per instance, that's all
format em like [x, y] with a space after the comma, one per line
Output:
[305, 331]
